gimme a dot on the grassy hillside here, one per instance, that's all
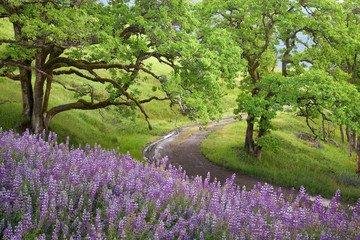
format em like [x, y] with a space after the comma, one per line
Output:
[295, 163]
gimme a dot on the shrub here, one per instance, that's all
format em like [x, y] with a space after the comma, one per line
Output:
[348, 179]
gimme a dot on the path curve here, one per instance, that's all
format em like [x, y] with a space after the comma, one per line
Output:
[187, 154]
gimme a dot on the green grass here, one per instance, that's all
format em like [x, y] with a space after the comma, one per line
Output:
[295, 163]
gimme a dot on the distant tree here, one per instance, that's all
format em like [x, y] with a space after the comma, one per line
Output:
[253, 25]
[333, 28]
[110, 45]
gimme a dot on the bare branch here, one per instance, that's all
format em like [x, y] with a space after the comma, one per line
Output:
[21, 43]
[11, 76]
[153, 98]
[85, 65]
[67, 88]
[73, 71]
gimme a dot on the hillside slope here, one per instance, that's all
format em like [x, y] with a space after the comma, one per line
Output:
[293, 162]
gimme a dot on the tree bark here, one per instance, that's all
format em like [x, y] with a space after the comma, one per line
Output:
[353, 140]
[358, 156]
[262, 131]
[37, 119]
[25, 80]
[349, 138]
[26, 90]
[354, 69]
[47, 95]
[341, 133]
[289, 47]
[53, 53]
[249, 137]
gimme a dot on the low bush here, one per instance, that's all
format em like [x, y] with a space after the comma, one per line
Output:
[348, 179]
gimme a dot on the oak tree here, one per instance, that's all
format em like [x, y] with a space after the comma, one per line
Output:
[111, 46]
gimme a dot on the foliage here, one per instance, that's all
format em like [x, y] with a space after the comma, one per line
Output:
[272, 94]
[267, 30]
[49, 190]
[320, 96]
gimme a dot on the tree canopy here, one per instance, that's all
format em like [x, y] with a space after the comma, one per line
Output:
[112, 45]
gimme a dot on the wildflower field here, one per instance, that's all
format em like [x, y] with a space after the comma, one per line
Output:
[53, 191]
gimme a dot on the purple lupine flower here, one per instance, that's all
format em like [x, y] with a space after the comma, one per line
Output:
[65, 229]
[26, 222]
[160, 231]
[44, 209]
[86, 221]
[56, 180]
[98, 224]
[2, 223]
[356, 212]
[8, 233]
[18, 231]
[42, 237]
[121, 227]
[201, 235]
[56, 230]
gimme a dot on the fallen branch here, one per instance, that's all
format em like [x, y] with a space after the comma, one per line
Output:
[7, 101]
[333, 141]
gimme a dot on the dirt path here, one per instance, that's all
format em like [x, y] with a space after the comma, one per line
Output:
[184, 149]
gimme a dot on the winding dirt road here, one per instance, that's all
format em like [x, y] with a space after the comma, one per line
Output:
[183, 149]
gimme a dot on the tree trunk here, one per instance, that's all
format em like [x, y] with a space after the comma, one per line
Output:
[354, 69]
[341, 133]
[47, 119]
[26, 90]
[285, 58]
[349, 138]
[350, 148]
[353, 140]
[37, 119]
[249, 137]
[358, 156]
[47, 95]
[261, 134]
[25, 80]
[347, 133]
[258, 152]
[284, 67]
